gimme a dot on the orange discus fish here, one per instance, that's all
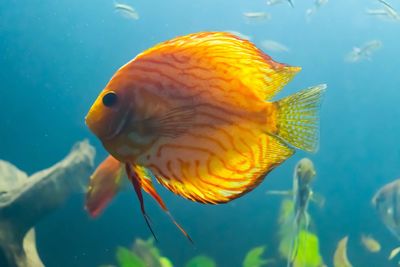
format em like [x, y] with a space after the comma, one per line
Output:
[193, 113]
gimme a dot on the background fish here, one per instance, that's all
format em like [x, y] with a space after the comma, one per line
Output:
[274, 46]
[296, 219]
[364, 52]
[126, 10]
[387, 203]
[370, 243]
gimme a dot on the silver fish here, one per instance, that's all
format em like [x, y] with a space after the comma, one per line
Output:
[387, 12]
[363, 52]
[240, 35]
[275, 2]
[274, 46]
[126, 11]
[387, 203]
[312, 10]
[257, 16]
[302, 194]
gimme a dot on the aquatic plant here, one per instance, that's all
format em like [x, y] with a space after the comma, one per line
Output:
[201, 261]
[147, 251]
[254, 258]
[143, 254]
[165, 262]
[127, 258]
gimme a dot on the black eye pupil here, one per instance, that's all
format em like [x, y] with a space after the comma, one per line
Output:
[110, 99]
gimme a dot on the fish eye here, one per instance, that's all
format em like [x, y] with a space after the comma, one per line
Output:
[110, 99]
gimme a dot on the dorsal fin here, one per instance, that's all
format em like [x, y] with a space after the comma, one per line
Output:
[232, 58]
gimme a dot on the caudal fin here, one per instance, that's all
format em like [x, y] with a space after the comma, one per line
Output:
[297, 118]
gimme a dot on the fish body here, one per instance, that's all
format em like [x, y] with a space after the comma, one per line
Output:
[274, 46]
[387, 11]
[378, 12]
[364, 52]
[386, 201]
[303, 176]
[126, 10]
[320, 3]
[390, 11]
[302, 194]
[394, 253]
[370, 243]
[275, 2]
[192, 113]
[240, 35]
[256, 16]
[317, 5]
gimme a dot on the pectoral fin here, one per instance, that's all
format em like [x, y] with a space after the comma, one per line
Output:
[318, 199]
[104, 184]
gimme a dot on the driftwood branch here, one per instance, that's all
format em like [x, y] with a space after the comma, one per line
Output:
[26, 200]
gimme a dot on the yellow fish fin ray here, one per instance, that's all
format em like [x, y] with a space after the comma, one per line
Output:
[297, 118]
[276, 80]
[144, 177]
[173, 122]
[214, 180]
[238, 61]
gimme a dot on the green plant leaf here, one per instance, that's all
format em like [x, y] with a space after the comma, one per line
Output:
[165, 262]
[201, 261]
[127, 258]
[254, 258]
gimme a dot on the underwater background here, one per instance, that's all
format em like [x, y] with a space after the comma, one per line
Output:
[56, 56]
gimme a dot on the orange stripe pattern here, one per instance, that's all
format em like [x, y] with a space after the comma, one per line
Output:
[199, 121]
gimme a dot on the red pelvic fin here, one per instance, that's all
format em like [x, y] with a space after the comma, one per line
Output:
[141, 179]
[136, 185]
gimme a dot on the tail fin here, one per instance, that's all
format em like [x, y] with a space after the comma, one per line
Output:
[297, 118]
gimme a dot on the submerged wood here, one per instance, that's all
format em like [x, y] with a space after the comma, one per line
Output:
[24, 201]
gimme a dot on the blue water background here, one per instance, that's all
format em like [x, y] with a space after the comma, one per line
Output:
[56, 56]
